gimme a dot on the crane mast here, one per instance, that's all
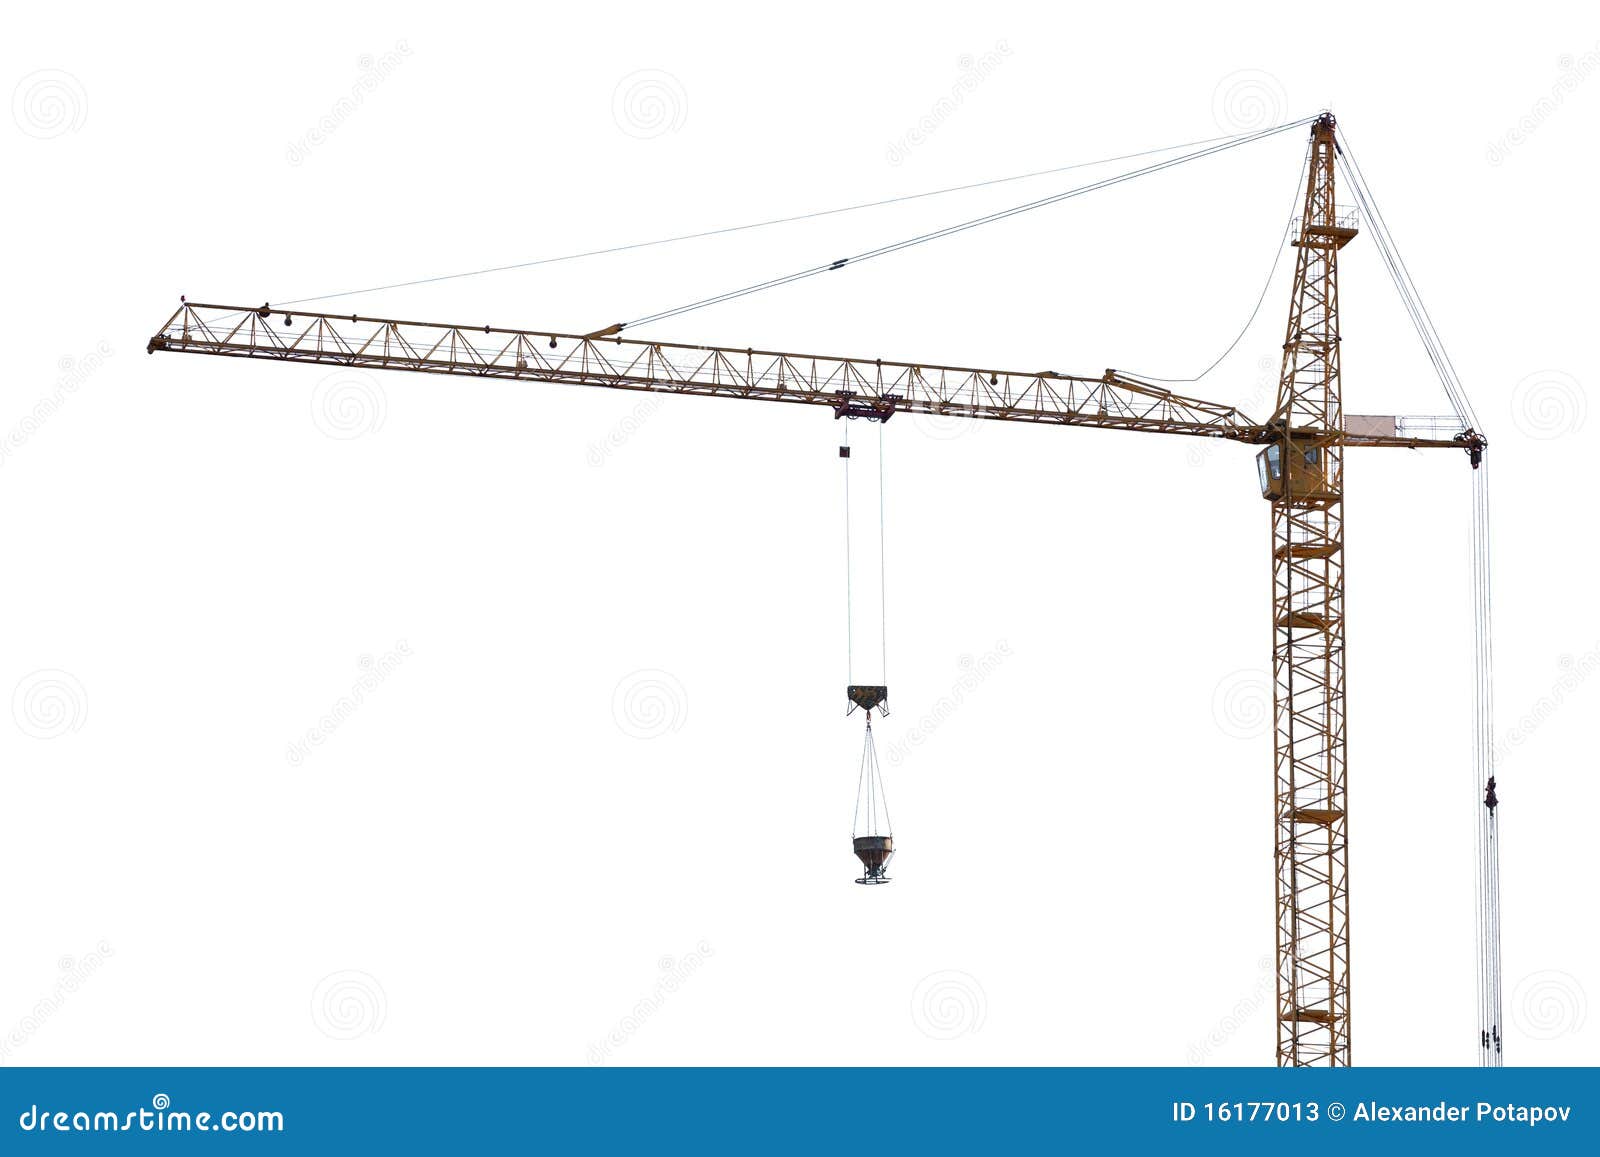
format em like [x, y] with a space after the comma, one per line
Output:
[1308, 656]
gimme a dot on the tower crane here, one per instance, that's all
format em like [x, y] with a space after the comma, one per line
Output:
[1300, 464]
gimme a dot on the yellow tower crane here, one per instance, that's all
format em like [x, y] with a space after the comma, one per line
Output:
[1300, 466]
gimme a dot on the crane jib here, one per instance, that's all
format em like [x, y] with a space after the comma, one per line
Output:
[850, 387]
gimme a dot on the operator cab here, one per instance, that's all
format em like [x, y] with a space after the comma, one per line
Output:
[1307, 473]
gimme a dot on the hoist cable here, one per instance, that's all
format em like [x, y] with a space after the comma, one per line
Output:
[883, 796]
[849, 596]
[872, 786]
[871, 800]
[950, 230]
[1487, 918]
[883, 563]
[1485, 800]
[861, 784]
[849, 563]
[875, 793]
[1488, 812]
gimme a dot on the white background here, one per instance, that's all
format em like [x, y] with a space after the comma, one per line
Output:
[519, 849]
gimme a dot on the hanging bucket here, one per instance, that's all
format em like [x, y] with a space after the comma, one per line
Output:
[874, 852]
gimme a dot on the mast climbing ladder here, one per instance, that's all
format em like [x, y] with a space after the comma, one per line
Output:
[1308, 659]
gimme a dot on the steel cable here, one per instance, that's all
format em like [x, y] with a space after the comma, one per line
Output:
[947, 231]
[1485, 799]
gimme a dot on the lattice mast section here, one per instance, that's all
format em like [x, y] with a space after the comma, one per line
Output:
[1308, 655]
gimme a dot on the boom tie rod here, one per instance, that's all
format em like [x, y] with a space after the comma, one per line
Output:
[949, 230]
